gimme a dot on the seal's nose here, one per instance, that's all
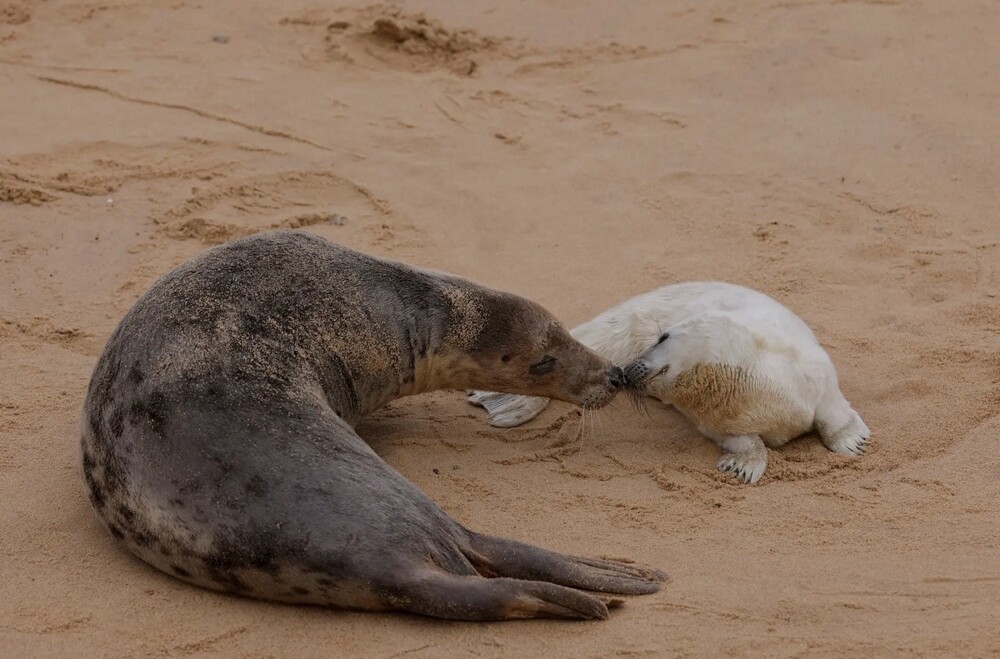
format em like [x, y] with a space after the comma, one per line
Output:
[616, 377]
[634, 373]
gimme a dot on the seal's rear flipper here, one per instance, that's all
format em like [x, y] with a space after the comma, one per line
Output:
[508, 410]
[840, 428]
[850, 438]
[508, 558]
[443, 595]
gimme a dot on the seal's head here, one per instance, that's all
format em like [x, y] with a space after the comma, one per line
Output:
[709, 338]
[653, 362]
[518, 347]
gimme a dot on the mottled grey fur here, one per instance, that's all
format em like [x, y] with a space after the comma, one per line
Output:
[218, 441]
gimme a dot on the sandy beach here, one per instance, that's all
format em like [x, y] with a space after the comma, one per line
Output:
[842, 156]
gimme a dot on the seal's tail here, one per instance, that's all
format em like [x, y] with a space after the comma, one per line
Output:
[508, 410]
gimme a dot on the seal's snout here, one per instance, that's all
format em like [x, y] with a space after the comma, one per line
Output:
[616, 377]
[635, 374]
[600, 388]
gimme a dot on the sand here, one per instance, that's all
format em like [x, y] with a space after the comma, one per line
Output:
[840, 155]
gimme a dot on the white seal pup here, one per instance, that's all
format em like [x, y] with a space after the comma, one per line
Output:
[746, 370]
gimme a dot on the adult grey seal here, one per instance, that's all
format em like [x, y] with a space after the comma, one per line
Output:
[218, 440]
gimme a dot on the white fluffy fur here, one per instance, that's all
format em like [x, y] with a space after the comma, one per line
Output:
[769, 380]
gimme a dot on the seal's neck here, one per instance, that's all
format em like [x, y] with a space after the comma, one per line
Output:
[437, 371]
[433, 351]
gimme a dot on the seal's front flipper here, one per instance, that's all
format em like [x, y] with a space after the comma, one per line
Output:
[508, 410]
[508, 558]
[745, 456]
[443, 595]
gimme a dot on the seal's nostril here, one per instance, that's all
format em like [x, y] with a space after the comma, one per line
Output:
[617, 377]
[635, 373]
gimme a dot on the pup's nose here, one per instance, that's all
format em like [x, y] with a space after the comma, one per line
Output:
[617, 377]
[634, 373]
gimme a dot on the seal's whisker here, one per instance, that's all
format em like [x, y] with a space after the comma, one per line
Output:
[599, 418]
[637, 399]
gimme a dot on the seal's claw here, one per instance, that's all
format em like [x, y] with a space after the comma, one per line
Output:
[748, 467]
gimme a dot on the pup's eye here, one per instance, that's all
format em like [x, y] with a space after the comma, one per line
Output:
[547, 364]
[663, 338]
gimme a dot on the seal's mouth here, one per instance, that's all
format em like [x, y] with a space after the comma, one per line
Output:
[596, 400]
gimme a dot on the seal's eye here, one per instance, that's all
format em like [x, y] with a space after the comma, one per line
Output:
[505, 359]
[547, 365]
[663, 338]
